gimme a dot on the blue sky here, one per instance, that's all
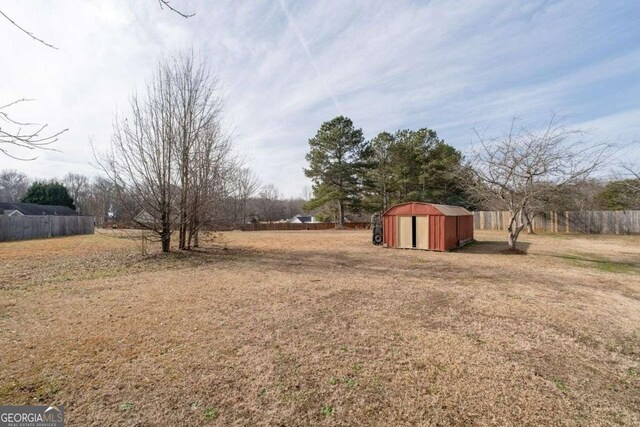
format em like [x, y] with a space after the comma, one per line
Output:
[288, 66]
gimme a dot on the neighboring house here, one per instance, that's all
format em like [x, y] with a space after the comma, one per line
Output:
[144, 218]
[148, 220]
[302, 219]
[18, 209]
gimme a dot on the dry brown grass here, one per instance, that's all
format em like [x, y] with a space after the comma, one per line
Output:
[322, 328]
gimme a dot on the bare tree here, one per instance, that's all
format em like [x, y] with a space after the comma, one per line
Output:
[200, 141]
[292, 207]
[212, 168]
[171, 154]
[13, 185]
[520, 170]
[78, 186]
[140, 162]
[583, 195]
[100, 199]
[246, 184]
[269, 203]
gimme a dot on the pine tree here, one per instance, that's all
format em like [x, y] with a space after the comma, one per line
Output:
[411, 166]
[334, 166]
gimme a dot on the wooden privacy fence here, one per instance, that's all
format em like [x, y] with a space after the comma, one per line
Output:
[591, 222]
[296, 226]
[42, 226]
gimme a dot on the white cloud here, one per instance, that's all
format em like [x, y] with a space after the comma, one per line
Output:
[449, 66]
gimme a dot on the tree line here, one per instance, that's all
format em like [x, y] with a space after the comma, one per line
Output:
[350, 174]
[526, 170]
[199, 182]
[171, 167]
[96, 196]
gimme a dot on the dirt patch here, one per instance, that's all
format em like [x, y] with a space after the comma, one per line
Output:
[513, 251]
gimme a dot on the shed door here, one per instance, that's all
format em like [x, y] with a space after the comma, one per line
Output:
[422, 232]
[405, 232]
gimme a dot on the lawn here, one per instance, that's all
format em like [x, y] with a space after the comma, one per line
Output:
[323, 328]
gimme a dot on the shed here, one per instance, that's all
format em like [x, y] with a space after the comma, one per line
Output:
[416, 225]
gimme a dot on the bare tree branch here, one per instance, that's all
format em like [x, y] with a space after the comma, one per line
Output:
[162, 3]
[522, 170]
[22, 135]
[29, 33]
[632, 178]
[166, 3]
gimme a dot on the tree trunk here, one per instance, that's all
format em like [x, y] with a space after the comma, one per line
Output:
[182, 235]
[516, 224]
[165, 231]
[192, 235]
[385, 197]
[182, 239]
[340, 214]
[166, 238]
[188, 240]
[529, 223]
[166, 243]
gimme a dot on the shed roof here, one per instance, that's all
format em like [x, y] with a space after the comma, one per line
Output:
[35, 209]
[452, 210]
[446, 210]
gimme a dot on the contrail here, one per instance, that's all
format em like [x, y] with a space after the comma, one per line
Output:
[305, 47]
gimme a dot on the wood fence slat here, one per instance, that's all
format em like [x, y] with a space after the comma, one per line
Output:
[43, 226]
[285, 226]
[592, 222]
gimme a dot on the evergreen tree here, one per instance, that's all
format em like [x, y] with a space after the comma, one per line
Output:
[411, 166]
[48, 193]
[620, 195]
[334, 166]
[378, 177]
[438, 176]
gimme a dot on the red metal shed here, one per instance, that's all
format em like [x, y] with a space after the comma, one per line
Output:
[417, 225]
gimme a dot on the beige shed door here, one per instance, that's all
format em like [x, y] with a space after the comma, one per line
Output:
[405, 231]
[422, 232]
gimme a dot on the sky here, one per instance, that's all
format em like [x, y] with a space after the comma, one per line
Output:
[287, 66]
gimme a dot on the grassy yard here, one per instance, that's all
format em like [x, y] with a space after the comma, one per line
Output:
[322, 328]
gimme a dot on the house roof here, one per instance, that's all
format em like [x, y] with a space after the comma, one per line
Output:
[35, 209]
[302, 218]
[144, 216]
[428, 208]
